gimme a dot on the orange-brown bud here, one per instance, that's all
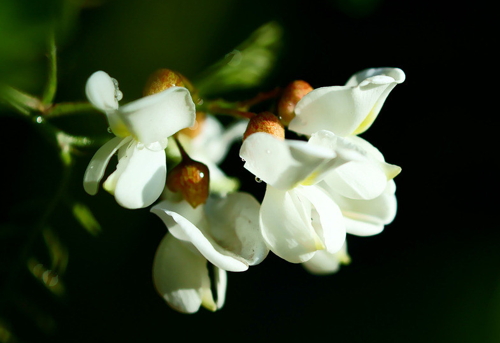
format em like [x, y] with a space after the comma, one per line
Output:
[194, 130]
[265, 122]
[161, 80]
[191, 178]
[290, 97]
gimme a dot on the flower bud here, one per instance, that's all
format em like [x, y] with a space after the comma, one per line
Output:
[194, 130]
[191, 178]
[290, 97]
[265, 122]
[161, 80]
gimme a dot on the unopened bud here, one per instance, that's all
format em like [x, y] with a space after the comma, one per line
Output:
[161, 80]
[290, 97]
[191, 178]
[194, 130]
[265, 122]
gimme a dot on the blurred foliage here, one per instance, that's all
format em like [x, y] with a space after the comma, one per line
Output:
[247, 66]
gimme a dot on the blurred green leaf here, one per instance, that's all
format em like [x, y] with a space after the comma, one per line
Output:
[246, 66]
[85, 217]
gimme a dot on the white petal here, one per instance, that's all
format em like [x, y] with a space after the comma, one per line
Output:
[368, 217]
[395, 73]
[100, 90]
[285, 220]
[282, 164]
[213, 142]
[156, 117]
[234, 224]
[176, 217]
[365, 178]
[139, 178]
[331, 223]
[220, 280]
[345, 110]
[180, 276]
[324, 263]
[97, 166]
[358, 180]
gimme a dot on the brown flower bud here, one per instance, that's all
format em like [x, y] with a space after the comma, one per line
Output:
[161, 80]
[194, 130]
[191, 178]
[265, 122]
[290, 97]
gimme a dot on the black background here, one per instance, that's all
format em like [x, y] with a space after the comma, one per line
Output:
[431, 276]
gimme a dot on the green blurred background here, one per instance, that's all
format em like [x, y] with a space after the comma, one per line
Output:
[431, 276]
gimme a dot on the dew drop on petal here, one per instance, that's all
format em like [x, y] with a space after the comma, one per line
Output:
[268, 151]
[258, 180]
[202, 175]
[39, 119]
[242, 159]
[140, 146]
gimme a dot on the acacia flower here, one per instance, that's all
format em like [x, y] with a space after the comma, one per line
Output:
[142, 128]
[298, 217]
[348, 111]
[323, 262]
[223, 232]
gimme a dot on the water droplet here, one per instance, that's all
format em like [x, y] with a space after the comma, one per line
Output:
[140, 146]
[202, 175]
[268, 151]
[118, 95]
[109, 130]
[39, 120]
[258, 180]
[242, 159]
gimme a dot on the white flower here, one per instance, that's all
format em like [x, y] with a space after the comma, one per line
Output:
[142, 128]
[364, 189]
[298, 217]
[224, 231]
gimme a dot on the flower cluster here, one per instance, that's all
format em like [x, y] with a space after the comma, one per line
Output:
[324, 184]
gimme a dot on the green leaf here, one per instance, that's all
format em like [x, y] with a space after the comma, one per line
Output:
[246, 66]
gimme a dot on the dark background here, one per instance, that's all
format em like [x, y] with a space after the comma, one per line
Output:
[431, 276]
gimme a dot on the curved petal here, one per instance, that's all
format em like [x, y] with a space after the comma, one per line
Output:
[368, 217]
[220, 280]
[156, 117]
[285, 221]
[101, 91]
[234, 224]
[282, 164]
[345, 110]
[358, 180]
[324, 263]
[97, 166]
[176, 217]
[139, 177]
[181, 276]
[365, 178]
[331, 225]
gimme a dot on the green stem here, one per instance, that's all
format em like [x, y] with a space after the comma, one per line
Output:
[68, 108]
[51, 87]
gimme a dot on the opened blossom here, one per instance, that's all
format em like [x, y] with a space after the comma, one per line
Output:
[298, 217]
[224, 232]
[142, 128]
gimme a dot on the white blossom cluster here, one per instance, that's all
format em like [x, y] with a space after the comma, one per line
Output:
[319, 189]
